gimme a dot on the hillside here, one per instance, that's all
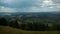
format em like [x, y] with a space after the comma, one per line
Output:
[10, 30]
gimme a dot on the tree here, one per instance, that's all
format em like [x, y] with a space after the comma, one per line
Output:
[14, 23]
[3, 21]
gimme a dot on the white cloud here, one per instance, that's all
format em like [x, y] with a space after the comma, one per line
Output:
[46, 6]
[6, 9]
[51, 7]
[30, 9]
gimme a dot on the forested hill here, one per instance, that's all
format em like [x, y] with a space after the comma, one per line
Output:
[38, 17]
[43, 21]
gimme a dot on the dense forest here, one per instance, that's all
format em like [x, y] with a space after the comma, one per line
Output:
[33, 22]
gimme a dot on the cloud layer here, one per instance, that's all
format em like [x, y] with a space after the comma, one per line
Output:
[27, 6]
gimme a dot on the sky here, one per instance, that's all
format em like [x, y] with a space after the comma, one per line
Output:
[29, 5]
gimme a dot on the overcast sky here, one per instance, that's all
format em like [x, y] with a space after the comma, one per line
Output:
[29, 6]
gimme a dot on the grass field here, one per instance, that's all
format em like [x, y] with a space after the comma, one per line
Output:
[9, 30]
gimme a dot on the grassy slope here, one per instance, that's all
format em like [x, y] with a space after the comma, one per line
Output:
[9, 30]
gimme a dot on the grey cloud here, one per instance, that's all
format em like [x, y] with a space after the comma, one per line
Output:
[20, 3]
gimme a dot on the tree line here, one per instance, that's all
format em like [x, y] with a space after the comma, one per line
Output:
[29, 25]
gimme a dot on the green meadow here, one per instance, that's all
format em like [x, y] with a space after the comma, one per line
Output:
[10, 30]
